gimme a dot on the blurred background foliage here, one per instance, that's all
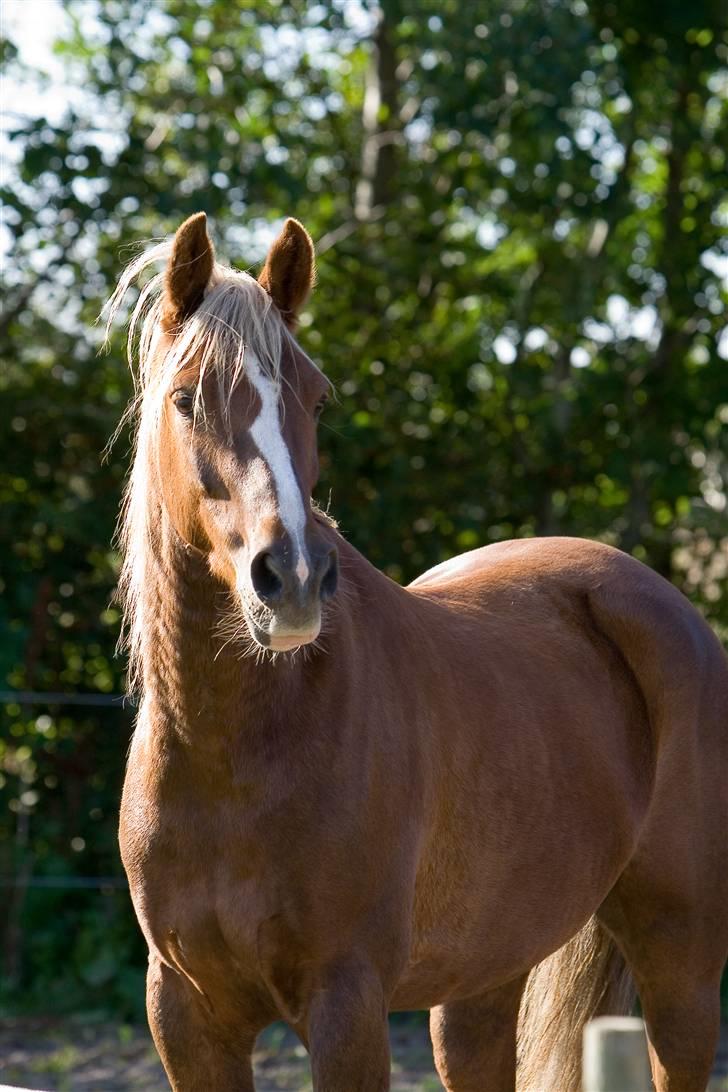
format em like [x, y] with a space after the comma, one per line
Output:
[520, 215]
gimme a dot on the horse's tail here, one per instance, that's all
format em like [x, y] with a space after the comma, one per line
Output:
[587, 977]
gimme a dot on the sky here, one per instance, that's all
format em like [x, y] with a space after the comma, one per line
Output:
[33, 25]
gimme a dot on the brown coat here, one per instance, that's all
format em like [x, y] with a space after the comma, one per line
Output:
[527, 745]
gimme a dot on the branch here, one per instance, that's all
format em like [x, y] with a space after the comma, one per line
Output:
[378, 149]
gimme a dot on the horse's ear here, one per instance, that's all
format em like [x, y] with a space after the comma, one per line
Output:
[188, 272]
[289, 272]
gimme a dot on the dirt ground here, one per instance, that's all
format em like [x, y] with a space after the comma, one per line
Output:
[75, 1056]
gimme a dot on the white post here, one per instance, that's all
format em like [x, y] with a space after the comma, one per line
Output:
[615, 1055]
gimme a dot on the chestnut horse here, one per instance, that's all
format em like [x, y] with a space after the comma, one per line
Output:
[345, 797]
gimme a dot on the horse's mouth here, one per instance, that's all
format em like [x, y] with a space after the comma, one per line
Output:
[289, 642]
[280, 641]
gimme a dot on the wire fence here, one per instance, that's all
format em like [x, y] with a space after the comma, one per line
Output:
[50, 698]
[85, 883]
[57, 697]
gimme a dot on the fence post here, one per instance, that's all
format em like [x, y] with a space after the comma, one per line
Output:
[615, 1055]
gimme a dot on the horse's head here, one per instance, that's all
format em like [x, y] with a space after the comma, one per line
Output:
[236, 407]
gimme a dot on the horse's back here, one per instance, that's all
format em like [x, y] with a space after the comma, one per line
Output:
[577, 562]
[625, 600]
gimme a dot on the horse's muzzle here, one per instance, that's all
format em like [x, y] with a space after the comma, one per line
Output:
[292, 593]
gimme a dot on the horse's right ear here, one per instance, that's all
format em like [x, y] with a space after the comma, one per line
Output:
[188, 272]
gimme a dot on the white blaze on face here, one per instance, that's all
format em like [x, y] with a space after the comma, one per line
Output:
[268, 437]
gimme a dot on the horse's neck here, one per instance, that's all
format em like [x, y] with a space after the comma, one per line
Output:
[200, 686]
[194, 684]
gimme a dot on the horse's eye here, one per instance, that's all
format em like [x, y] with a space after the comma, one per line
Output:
[184, 401]
[320, 406]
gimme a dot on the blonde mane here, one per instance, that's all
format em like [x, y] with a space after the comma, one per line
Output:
[236, 314]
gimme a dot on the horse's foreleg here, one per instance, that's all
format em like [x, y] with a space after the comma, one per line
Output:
[197, 1056]
[475, 1040]
[348, 1034]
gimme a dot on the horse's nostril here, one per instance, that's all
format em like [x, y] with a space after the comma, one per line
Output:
[266, 578]
[330, 578]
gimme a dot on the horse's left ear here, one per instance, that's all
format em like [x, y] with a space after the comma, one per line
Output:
[188, 272]
[289, 272]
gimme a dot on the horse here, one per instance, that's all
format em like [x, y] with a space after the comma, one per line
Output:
[498, 794]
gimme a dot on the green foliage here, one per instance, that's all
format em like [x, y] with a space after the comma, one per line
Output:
[518, 302]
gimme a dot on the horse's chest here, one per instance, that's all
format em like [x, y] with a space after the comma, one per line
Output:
[235, 935]
[211, 905]
[253, 889]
